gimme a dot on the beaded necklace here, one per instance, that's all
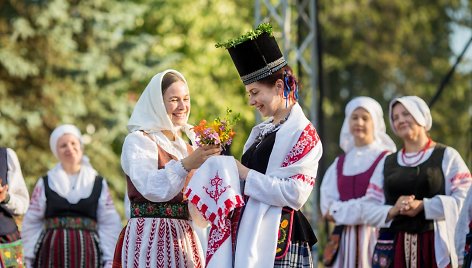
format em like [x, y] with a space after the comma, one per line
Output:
[422, 153]
[269, 128]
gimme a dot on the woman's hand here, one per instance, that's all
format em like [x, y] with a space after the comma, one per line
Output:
[400, 206]
[329, 217]
[412, 208]
[200, 155]
[3, 192]
[242, 169]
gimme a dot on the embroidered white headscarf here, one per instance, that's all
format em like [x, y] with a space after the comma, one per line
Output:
[149, 115]
[59, 180]
[346, 139]
[417, 107]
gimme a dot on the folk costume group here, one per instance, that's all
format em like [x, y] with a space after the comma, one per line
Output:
[390, 208]
[395, 208]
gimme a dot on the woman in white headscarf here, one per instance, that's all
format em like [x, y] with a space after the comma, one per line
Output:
[157, 160]
[365, 144]
[417, 199]
[71, 218]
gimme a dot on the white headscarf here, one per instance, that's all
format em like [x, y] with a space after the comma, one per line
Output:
[346, 139]
[150, 115]
[60, 181]
[417, 107]
[61, 131]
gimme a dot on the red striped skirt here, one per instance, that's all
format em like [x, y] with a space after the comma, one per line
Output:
[66, 247]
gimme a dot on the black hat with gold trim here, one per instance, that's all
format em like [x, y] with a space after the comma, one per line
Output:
[255, 54]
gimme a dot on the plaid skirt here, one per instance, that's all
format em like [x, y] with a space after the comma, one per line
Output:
[298, 255]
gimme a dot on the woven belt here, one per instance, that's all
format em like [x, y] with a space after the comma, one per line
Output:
[71, 223]
[160, 210]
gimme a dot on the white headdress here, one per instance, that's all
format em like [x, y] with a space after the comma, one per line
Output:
[59, 180]
[61, 131]
[346, 140]
[416, 107]
[150, 114]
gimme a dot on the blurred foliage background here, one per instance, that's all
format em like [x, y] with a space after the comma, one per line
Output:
[87, 61]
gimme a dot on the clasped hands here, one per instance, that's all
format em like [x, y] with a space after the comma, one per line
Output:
[406, 205]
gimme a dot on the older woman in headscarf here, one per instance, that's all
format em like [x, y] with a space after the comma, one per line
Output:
[71, 219]
[157, 161]
[419, 194]
[365, 144]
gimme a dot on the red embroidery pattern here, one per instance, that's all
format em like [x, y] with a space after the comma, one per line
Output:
[167, 230]
[307, 141]
[222, 213]
[304, 178]
[160, 244]
[217, 188]
[34, 203]
[127, 245]
[376, 192]
[195, 257]
[460, 177]
[176, 245]
[151, 239]
[217, 237]
[139, 240]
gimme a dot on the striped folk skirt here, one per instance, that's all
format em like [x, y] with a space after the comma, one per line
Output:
[74, 247]
[158, 242]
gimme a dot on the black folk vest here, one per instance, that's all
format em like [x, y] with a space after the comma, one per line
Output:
[58, 206]
[424, 181]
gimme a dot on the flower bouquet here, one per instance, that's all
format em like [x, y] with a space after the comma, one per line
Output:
[219, 132]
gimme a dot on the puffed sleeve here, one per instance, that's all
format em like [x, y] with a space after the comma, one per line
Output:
[374, 210]
[139, 161]
[345, 212]
[108, 222]
[19, 196]
[329, 189]
[462, 228]
[458, 181]
[33, 220]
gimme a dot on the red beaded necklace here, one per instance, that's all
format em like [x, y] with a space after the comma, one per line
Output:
[422, 153]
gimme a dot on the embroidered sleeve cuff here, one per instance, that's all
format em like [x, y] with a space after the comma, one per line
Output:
[180, 169]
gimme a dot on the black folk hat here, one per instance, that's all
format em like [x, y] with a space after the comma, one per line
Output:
[255, 54]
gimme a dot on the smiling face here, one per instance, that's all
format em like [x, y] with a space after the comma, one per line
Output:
[69, 150]
[361, 126]
[405, 124]
[266, 99]
[177, 102]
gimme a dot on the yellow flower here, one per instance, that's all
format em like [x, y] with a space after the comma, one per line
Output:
[8, 254]
[284, 224]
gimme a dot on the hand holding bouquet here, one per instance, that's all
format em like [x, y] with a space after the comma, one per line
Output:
[219, 132]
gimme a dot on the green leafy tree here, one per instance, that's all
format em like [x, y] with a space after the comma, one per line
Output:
[69, 62]
[385, 49]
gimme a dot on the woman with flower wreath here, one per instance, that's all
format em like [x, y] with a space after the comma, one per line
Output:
[279, 162]
[365, 144]
[417, 198]
[157, 162]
